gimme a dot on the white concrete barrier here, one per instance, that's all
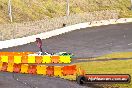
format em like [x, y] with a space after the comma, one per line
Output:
[105, 22]
[45, 35]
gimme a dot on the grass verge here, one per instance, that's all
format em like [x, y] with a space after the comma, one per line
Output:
[116, 55]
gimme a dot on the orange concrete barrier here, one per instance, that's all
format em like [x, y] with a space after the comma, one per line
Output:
[10, 67]
[10, 59]
[4, 67]
[55, 59]
[41, 70]
[50, 71]
[15, 53]
[32, 69]
[69, 70]
[17, 68]
[24, 59]
[58, 71]
[38, 59]
[24, 68]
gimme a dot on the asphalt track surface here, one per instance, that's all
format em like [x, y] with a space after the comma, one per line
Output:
[88, 42]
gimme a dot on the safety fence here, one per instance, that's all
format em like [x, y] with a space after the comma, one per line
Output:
[22, 57]
[39, 69]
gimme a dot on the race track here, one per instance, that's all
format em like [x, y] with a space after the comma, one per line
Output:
[88, 42]
[14, 80]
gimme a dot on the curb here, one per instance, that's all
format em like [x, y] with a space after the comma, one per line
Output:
[45, 35]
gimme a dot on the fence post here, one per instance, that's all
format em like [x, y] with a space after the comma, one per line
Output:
[68, 8]
[10, 10]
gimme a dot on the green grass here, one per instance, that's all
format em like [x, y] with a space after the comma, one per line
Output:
[31, 10]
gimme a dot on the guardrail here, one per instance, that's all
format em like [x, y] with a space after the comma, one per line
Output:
[45, 35]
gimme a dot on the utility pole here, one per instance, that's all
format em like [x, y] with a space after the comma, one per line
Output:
[68, 8]
[10, 10]
[131, 5]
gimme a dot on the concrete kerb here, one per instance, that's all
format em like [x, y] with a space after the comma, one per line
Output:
[25, 40]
